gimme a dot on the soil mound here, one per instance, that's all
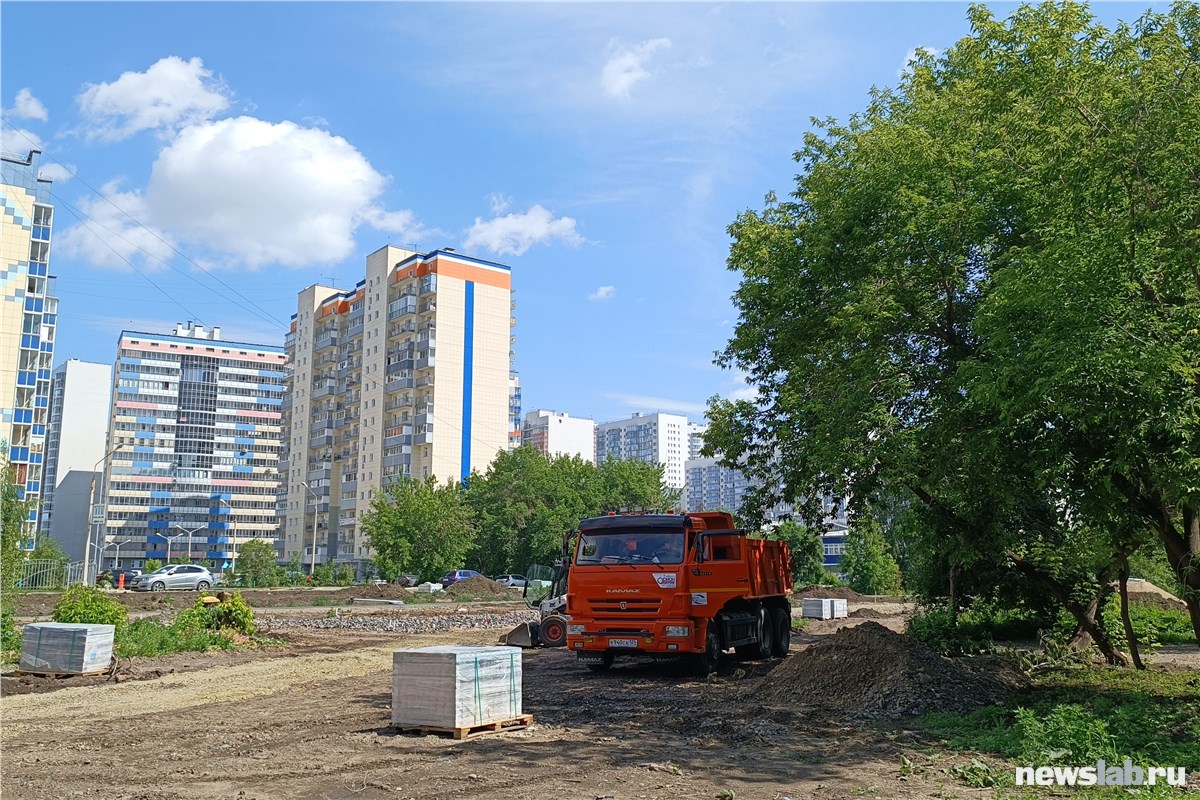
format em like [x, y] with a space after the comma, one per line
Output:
[478, 587]
[1155, 599]
[871, 671]
[868, 613]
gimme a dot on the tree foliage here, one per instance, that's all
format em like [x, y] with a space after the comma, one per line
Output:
[256, 563]
[419, 526]
[808, 552]
[13, 513]
[867, 563]
[984, 297]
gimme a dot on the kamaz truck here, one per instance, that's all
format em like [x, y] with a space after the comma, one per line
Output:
[676, 585]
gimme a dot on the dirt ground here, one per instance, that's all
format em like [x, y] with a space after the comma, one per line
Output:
[312, 721]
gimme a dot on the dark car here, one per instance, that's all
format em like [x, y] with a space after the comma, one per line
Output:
[456, 575]
[112, 577]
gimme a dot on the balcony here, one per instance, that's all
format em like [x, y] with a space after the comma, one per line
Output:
[324, 388]
[423, 438]
[425, 361]
[428, 307]
[324, 340]
[398, 383]
[325, 440]
[401, 308]
[321, 473]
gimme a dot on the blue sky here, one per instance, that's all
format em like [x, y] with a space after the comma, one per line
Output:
[212, 159]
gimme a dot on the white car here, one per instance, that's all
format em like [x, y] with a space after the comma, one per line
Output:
[511, 581]
[174, 576]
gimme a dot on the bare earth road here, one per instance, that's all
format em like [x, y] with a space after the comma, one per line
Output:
[313, 722]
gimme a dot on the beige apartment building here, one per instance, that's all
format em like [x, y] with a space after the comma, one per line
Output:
[407, 374]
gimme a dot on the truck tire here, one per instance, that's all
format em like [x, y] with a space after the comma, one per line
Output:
[766, 634]
[708, 661]
[782, 623]
[553, 631]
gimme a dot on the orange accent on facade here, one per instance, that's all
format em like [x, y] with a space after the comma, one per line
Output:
[487, 277]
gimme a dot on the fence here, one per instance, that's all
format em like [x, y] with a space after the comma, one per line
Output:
[49, 573]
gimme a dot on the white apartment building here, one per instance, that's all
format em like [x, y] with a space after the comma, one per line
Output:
[80, 393]
[560, 434]
[409, 373]
[696, 433]
[654, 438]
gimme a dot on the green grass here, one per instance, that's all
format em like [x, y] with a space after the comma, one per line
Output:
[145, 638]
[1074, 716]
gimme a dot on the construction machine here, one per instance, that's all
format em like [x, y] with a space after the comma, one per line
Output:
[545, 590]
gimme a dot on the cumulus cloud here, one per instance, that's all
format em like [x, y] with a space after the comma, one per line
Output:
[108, 237]
[513, 234]
[59, 173]
[915, 54]
[170, 94]
[626, 66]
[269, 192]
[19, 141]
[603, 293]
[28, 107]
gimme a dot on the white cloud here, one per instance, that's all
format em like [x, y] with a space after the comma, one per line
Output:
[19, 141]
[109, 238]
[28, 107]
[513, 234]
[740, 389]
[657, 403]
[59, 173]
[916, 54]
[603, 293]
[269, 193]
[499, 203]
[170, 94]
[627, 66]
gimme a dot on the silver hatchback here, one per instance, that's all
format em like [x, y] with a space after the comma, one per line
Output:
[174, 576]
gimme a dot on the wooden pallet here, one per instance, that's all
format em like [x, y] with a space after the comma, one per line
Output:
[94, 673]
[471, 731]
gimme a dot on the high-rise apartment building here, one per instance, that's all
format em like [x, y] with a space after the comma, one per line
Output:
[407, 374]
[193, 441]
[560, 434]
[28, 317]
[696, 433]
[80, 397]
[654, 438]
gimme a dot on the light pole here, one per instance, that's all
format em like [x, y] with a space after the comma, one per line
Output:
[95, 525]
[232, 536]
[189, 533]
[169, 539]
[312, 560]
[117, 557]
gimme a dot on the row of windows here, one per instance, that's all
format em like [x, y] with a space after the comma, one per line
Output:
[165, 355]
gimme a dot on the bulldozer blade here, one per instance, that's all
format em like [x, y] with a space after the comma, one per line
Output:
[524, 635]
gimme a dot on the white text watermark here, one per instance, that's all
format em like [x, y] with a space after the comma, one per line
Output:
[1102, 774]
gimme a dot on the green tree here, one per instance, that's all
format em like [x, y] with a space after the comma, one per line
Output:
[808, 552]
[867, 562]
[256, 563]
[151, 564]
[13, 513]
[983, 299]
[421, 527]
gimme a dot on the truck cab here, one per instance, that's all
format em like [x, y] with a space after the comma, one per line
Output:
[676, 584]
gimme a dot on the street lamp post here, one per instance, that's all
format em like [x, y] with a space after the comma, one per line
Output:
[168, 540]
[116, 556]
[95, 524]
[189, 532]
[312, 559]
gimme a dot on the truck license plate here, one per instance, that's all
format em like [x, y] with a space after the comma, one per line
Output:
[622, 642]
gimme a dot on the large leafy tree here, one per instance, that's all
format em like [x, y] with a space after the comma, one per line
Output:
[983, 298]
[808, 552]
[867, 563]
[419, 526]
[256, 562]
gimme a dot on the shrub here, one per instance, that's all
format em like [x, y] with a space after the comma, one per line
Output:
[10, 637]
[148, 638]
[1152, 625]
[88, 605]
[1065, 734]
[233, 614]
[935, 628]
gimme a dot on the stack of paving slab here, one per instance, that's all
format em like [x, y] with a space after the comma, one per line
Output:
[66, 648]
[455, 686]
[823, 608]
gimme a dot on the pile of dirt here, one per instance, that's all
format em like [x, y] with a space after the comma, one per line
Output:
[1155, 599]
[868, 613]
[479, 587]
[870, 671]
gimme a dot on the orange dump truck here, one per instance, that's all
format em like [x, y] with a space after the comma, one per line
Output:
[676, 584]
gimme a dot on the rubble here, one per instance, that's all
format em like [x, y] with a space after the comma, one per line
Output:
[402, 623]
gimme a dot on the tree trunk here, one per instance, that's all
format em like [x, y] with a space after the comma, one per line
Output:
[1130, 636]
[955, 568]
[1086, 616]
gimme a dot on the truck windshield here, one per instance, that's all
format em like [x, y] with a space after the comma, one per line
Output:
[630, 547]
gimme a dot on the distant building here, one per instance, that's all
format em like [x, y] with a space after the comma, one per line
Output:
[194, 439]
[406, 375]
[80, 395]
[28, 318]
[557, 434]
[696, 433]
[653, 438]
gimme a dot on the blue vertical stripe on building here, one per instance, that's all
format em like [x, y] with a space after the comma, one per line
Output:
[468, 374]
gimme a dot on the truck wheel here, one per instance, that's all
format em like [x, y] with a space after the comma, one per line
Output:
[782, 623]
[553, 632]
[708, 661]
[766, 633]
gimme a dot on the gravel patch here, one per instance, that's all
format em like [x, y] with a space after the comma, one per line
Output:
[402, 623]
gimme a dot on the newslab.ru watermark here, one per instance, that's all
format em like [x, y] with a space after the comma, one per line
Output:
[1101, 775]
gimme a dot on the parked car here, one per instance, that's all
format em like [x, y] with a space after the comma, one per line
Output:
[112, 577]
[456, 575]
[174, 576]
[511, 581]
